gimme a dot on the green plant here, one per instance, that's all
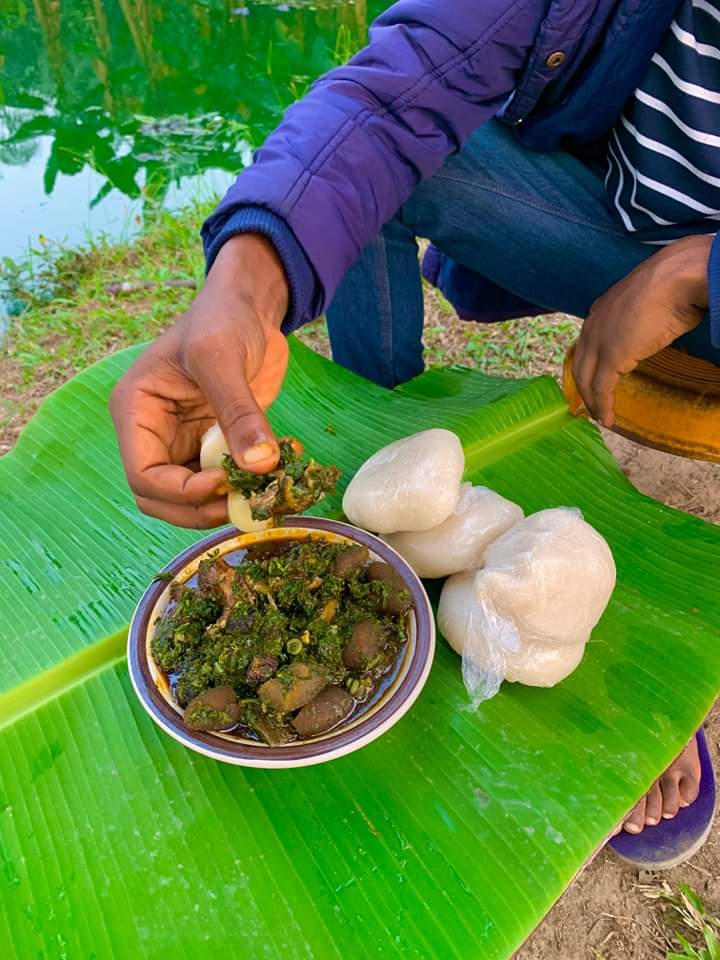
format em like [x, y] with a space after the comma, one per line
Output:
[696, 929]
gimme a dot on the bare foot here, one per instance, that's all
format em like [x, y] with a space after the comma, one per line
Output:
[677, 787]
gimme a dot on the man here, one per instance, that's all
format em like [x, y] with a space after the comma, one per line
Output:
[560, 156]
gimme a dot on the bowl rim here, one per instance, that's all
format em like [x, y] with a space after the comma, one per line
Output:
[334, 745]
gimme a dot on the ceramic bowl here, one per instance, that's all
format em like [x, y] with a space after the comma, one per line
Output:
[392, 702]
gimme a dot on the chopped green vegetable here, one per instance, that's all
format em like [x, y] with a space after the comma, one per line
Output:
[294, 485]
[294, 619]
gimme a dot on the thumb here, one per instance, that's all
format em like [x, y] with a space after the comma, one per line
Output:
[244, 425]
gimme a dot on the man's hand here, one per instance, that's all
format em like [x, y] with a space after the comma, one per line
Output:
[223, 360]
[663, 298]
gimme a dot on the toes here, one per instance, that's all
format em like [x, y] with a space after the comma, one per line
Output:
[653, 805]
[689, 788]
[670, 795]
[636, 821]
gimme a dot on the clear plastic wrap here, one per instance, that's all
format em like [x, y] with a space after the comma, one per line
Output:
[552, 574]
[526, 616]
[412, 484]
[459, 542]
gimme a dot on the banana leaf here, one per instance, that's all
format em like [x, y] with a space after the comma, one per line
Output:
[450, 837]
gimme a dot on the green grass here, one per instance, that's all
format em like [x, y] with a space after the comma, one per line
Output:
[691, 926]
[69, 317]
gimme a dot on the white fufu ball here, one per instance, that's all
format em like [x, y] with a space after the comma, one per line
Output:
[458, 543]
[213, 449]
[552, 575]
[412, 484]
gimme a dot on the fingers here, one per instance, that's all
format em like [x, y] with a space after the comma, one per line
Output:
[243, 423]
[145, 426]
[177, 485]
[196, 518]
[223, 380]
[597, 372]
[604, 384]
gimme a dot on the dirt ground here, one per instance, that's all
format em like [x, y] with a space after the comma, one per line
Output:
[606, 914]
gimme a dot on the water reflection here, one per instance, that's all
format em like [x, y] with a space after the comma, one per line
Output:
[136, 99]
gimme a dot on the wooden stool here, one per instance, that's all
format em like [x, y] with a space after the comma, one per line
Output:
[670, 401]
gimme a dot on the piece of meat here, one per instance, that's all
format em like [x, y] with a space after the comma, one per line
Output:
[216, 708]
[260, 669]
[294, 686]
[273, 733]
[349, 561]
[216, 576]
[327, 710]
[398, 600]
[365, 644]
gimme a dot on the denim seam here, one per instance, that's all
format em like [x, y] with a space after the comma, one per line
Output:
[544, 208]
[385, 306]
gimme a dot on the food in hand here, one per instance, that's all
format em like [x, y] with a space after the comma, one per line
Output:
[255, 500]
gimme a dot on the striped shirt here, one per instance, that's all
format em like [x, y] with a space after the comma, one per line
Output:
[663, 175]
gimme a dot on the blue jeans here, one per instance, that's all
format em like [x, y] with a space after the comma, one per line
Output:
[538, 225]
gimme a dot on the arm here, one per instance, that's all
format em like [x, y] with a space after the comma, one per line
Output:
[349, 154]
[339, 166]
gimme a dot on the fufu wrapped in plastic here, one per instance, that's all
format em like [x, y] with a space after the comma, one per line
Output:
[458, 543]
[527, 615]
[412, 484]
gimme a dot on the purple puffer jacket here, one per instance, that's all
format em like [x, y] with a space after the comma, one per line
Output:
[351, 152]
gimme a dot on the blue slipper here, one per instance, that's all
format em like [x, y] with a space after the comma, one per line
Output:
[673, 841]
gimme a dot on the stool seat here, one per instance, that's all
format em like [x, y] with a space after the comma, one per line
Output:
[671, 401]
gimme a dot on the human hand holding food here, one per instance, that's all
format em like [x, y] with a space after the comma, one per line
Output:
[224, 360]
[662, 299]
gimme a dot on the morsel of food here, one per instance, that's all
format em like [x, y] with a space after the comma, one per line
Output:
[397, 596]
[256, 499]
[287, 644]
[326, 711]
[215, 709]
[293, 686]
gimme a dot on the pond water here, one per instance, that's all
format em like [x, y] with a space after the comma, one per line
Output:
[109, 108]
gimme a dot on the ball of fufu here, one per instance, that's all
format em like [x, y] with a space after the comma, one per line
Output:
[412, 484]
[552, 574]
[494, 646]
[213, 450]
[458, 543]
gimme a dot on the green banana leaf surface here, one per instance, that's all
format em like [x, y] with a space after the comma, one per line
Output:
[449, 837]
